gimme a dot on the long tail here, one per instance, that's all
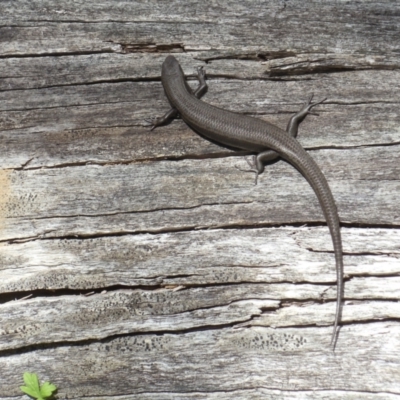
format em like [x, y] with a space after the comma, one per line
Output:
[339, 296]
[299, 158]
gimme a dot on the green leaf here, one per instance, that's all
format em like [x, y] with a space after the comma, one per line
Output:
[47, 389]
[30, 392]
[33, 389]
[32, 385]
[31, 380]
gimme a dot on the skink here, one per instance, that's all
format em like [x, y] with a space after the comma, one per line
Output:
[247, 133]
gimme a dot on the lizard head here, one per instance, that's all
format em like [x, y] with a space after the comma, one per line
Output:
[171, 66]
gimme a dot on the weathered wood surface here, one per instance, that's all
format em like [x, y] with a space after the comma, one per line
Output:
[158, 269]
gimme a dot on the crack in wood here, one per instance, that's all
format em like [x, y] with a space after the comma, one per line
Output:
[151, 47]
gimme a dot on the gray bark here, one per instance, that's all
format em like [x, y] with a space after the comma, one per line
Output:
[157, 269]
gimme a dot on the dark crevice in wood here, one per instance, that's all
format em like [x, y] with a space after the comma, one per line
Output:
[184, 228]
[167, 230]
[73, 84]
[159, 231]
[57, 54]
[126, 48]
[363, 253]
[44, 293]
[286, 302]
[283, 71]
[356, 275]
[151, 47]
[216, 327]
[363, 225]
[24, 165]
[328, 324]
[262, 284]
[260, 56]
[86, 342]
[298, 68]
[224, 153]
[18, 296]
[351, 147]
[66, 107]
[76, 164]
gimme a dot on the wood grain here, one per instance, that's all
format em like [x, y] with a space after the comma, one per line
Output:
[148, 265]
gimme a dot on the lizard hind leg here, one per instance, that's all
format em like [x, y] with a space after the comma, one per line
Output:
[257, 162]
[294, 122]
[168, 116]
[252, 164]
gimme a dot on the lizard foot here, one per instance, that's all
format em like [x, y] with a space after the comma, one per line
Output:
[252, 165]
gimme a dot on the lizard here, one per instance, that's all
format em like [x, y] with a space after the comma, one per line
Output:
[255, 135]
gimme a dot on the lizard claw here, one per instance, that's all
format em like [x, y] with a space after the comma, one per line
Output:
[201, 72]
[152, 122]
[308, 105]
[252, 165]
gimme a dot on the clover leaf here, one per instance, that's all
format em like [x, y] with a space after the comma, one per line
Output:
[35, 390]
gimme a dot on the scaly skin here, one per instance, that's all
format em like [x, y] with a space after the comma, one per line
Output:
[247, 133]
